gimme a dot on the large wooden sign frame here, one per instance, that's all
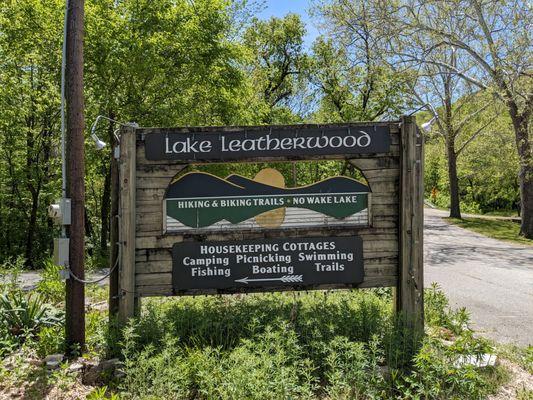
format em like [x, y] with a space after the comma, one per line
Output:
[392, 241]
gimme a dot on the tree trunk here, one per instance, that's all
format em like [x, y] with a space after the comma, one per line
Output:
[104, 212]
[106, 195]
[113, 235]
[525, 176]
[455, 208]
[526, 195]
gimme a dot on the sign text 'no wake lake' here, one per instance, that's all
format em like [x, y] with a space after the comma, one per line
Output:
[256, 264]
[244, 143]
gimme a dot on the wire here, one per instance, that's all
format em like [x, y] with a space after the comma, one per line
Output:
[86, 282]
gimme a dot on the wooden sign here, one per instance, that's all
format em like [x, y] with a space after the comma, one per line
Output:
[274, 142]
[184, 232]
[266, 265]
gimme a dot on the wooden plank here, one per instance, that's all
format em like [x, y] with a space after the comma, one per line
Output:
[153, 182]
[167, 241]
[410, 281]
[127, 224]
[160, 170]
[166, 290]
[390, 174]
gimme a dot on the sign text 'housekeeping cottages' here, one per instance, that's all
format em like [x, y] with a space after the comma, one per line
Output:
[226, 145]
[275, 263]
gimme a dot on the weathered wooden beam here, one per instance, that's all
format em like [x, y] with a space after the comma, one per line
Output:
[409, 299]
[127, 224]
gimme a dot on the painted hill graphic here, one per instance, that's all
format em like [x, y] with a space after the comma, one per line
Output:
[199, 199]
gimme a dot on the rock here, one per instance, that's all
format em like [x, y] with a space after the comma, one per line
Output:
[75, 367]
[35, 362]
[485, 360]
[53, 361]
[447, 343]
[98, 374]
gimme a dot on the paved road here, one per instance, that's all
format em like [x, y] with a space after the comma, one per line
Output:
[28, 280]
[491, 278]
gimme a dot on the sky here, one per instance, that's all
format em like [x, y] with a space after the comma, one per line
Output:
[279, 8]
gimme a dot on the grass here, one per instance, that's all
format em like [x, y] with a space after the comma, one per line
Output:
[502, 230]
[522, 356]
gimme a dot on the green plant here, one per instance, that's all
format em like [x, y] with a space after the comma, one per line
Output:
[101, 394]
[50, 340]
[10, 271]
[23, 315]
[51, 286]
[8, 342]
[524, 394]
[353, 369]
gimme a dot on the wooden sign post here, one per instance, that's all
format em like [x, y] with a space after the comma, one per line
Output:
[195, 233]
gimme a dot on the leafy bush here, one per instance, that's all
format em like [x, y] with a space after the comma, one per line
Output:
[438, 375]
[23, 315]
[50, 340]
[340, 345]
[271, 366]
[439, 314]
[51, 286]
[353, 370]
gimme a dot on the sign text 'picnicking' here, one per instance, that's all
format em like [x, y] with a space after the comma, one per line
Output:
[235, 266]
[266, 142]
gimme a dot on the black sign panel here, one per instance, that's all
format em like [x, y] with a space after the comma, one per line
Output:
[296, 263]
[266, 142]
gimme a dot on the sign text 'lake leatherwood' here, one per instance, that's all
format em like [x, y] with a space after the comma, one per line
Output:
[266, 142]
[294, 262]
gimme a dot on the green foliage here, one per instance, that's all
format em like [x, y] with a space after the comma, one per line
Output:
[23, 315]
[353, 370]
[339, 345]
[487, 166]
[277, 63]
[156, 62]
[50, 340]
[435, 375]
[269, 367]
[101, 393]
[366, 92]
[51, 286]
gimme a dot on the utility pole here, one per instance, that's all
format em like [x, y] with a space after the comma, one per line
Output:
[75, 291]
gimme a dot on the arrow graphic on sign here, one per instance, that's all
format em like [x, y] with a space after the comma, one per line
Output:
[285, 279]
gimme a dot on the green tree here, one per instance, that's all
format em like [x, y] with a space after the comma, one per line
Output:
[277, 64]
[350, 68]
[30, 50]
[161, 63]
[462, 114]
[496, 37]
